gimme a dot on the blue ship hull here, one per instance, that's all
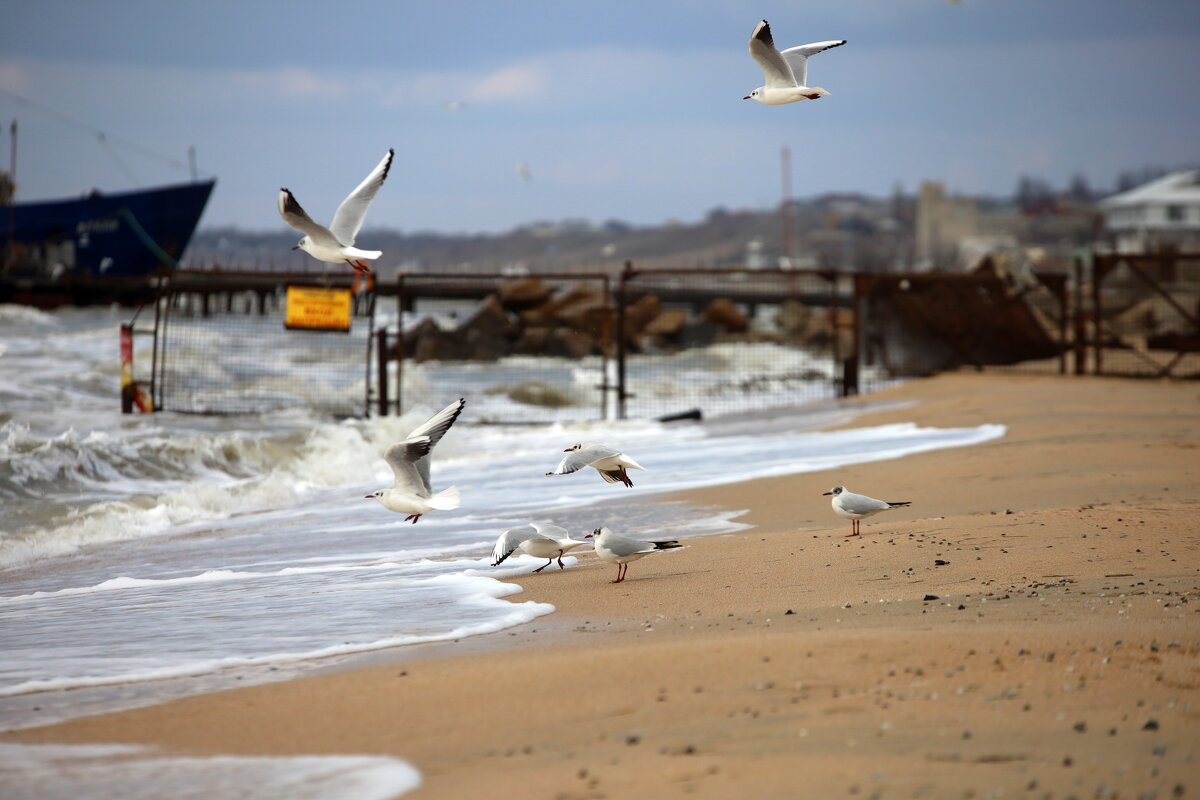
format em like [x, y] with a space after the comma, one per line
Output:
[124, 235]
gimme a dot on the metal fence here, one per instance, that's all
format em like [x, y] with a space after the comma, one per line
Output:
[571, 347]
[1139, 315]
[521, 349]
[221, 347]
[718, 341]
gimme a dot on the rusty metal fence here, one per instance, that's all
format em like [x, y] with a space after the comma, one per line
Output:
[1139, 315]
[521, 349]
[221, 346]
[719, 341]
[655, 343]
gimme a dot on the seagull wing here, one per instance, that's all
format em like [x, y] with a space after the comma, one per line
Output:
[509, 541]
[299, 219]
[552, 532]
[797, 57]
[407, 458]
[578, 459]
[774, 66]
[624, 546]
[860, 503]
[348, 219]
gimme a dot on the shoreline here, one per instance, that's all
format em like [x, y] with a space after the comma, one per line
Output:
[692, 678]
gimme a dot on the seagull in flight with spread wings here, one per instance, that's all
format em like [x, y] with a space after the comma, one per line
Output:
[335, 244]
[787, 72]
[412, 493]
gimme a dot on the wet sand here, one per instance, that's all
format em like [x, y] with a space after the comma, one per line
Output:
[1028, 627]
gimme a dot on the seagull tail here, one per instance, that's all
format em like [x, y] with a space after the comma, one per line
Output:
[669, 544]
[901, 503]
[446, 499]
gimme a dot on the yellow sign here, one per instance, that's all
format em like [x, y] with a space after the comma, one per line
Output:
[313, 309]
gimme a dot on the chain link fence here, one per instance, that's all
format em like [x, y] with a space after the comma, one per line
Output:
[221, 348]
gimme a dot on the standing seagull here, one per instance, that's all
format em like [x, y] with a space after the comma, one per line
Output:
[620, 550]
[858, 506]
[539, 541]
[409, 459]
[335, 244]
[786, 72]
[610, 463]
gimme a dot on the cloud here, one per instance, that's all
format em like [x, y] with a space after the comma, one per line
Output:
[513, 83]
[289, 82]
[14, 78]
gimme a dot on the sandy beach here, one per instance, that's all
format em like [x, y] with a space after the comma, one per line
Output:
[1028, 627]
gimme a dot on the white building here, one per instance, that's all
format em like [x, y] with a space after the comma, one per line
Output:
[1162, 212]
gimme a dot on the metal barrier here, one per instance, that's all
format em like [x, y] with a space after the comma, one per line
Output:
[222, 345]
[1143, 318]
[521, 348]
[717, 341]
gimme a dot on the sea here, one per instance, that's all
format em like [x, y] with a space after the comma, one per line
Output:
[151, 556]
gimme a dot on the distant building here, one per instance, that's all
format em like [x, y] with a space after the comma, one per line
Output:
[953, 233]
[1163, 212]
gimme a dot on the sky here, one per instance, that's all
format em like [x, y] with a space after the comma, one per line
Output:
[616, 110]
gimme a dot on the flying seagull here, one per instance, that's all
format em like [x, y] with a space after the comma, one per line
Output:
[412, 493]
[538, 540]
[787, 72]
[620, 550]
[858, 506]
[335, 244]
[611, 464]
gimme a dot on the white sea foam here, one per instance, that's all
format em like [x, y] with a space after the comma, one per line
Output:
[99, 772]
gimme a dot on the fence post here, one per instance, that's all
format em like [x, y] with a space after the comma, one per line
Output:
[850, 384]
[127, 369]
[381, 362]
[626, 274]
[399, 343]
[1097, 317]
[1080, 323]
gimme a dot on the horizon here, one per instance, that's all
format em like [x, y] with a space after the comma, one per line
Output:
[501, 121]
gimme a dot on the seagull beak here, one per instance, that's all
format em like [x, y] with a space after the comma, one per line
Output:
[826, 494]
[367, 496]
[297, 247]
[567, 450]
[747, 97]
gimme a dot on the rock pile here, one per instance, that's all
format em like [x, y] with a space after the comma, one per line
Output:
[526, 317]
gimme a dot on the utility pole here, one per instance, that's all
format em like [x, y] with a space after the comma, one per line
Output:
[785, 209]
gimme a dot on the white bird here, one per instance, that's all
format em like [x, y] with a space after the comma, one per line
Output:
[620, 550]
[786, 73]
[611, 464]
[538, 540]
[335, 244]
[858, 506]
[409, 459]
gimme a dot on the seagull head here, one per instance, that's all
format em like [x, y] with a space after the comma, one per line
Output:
[835, 491]
[303, 244]
[755, 95]
[375, 495]
[574, 447]
[596, 533]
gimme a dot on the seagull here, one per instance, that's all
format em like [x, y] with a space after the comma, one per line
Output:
[858, 506]
[786, 72]
[409, 460]
[610, 463]
[620, 550]
[538, 540]
[335, 244]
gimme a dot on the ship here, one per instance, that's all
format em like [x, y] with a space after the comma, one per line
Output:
[99, 248]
